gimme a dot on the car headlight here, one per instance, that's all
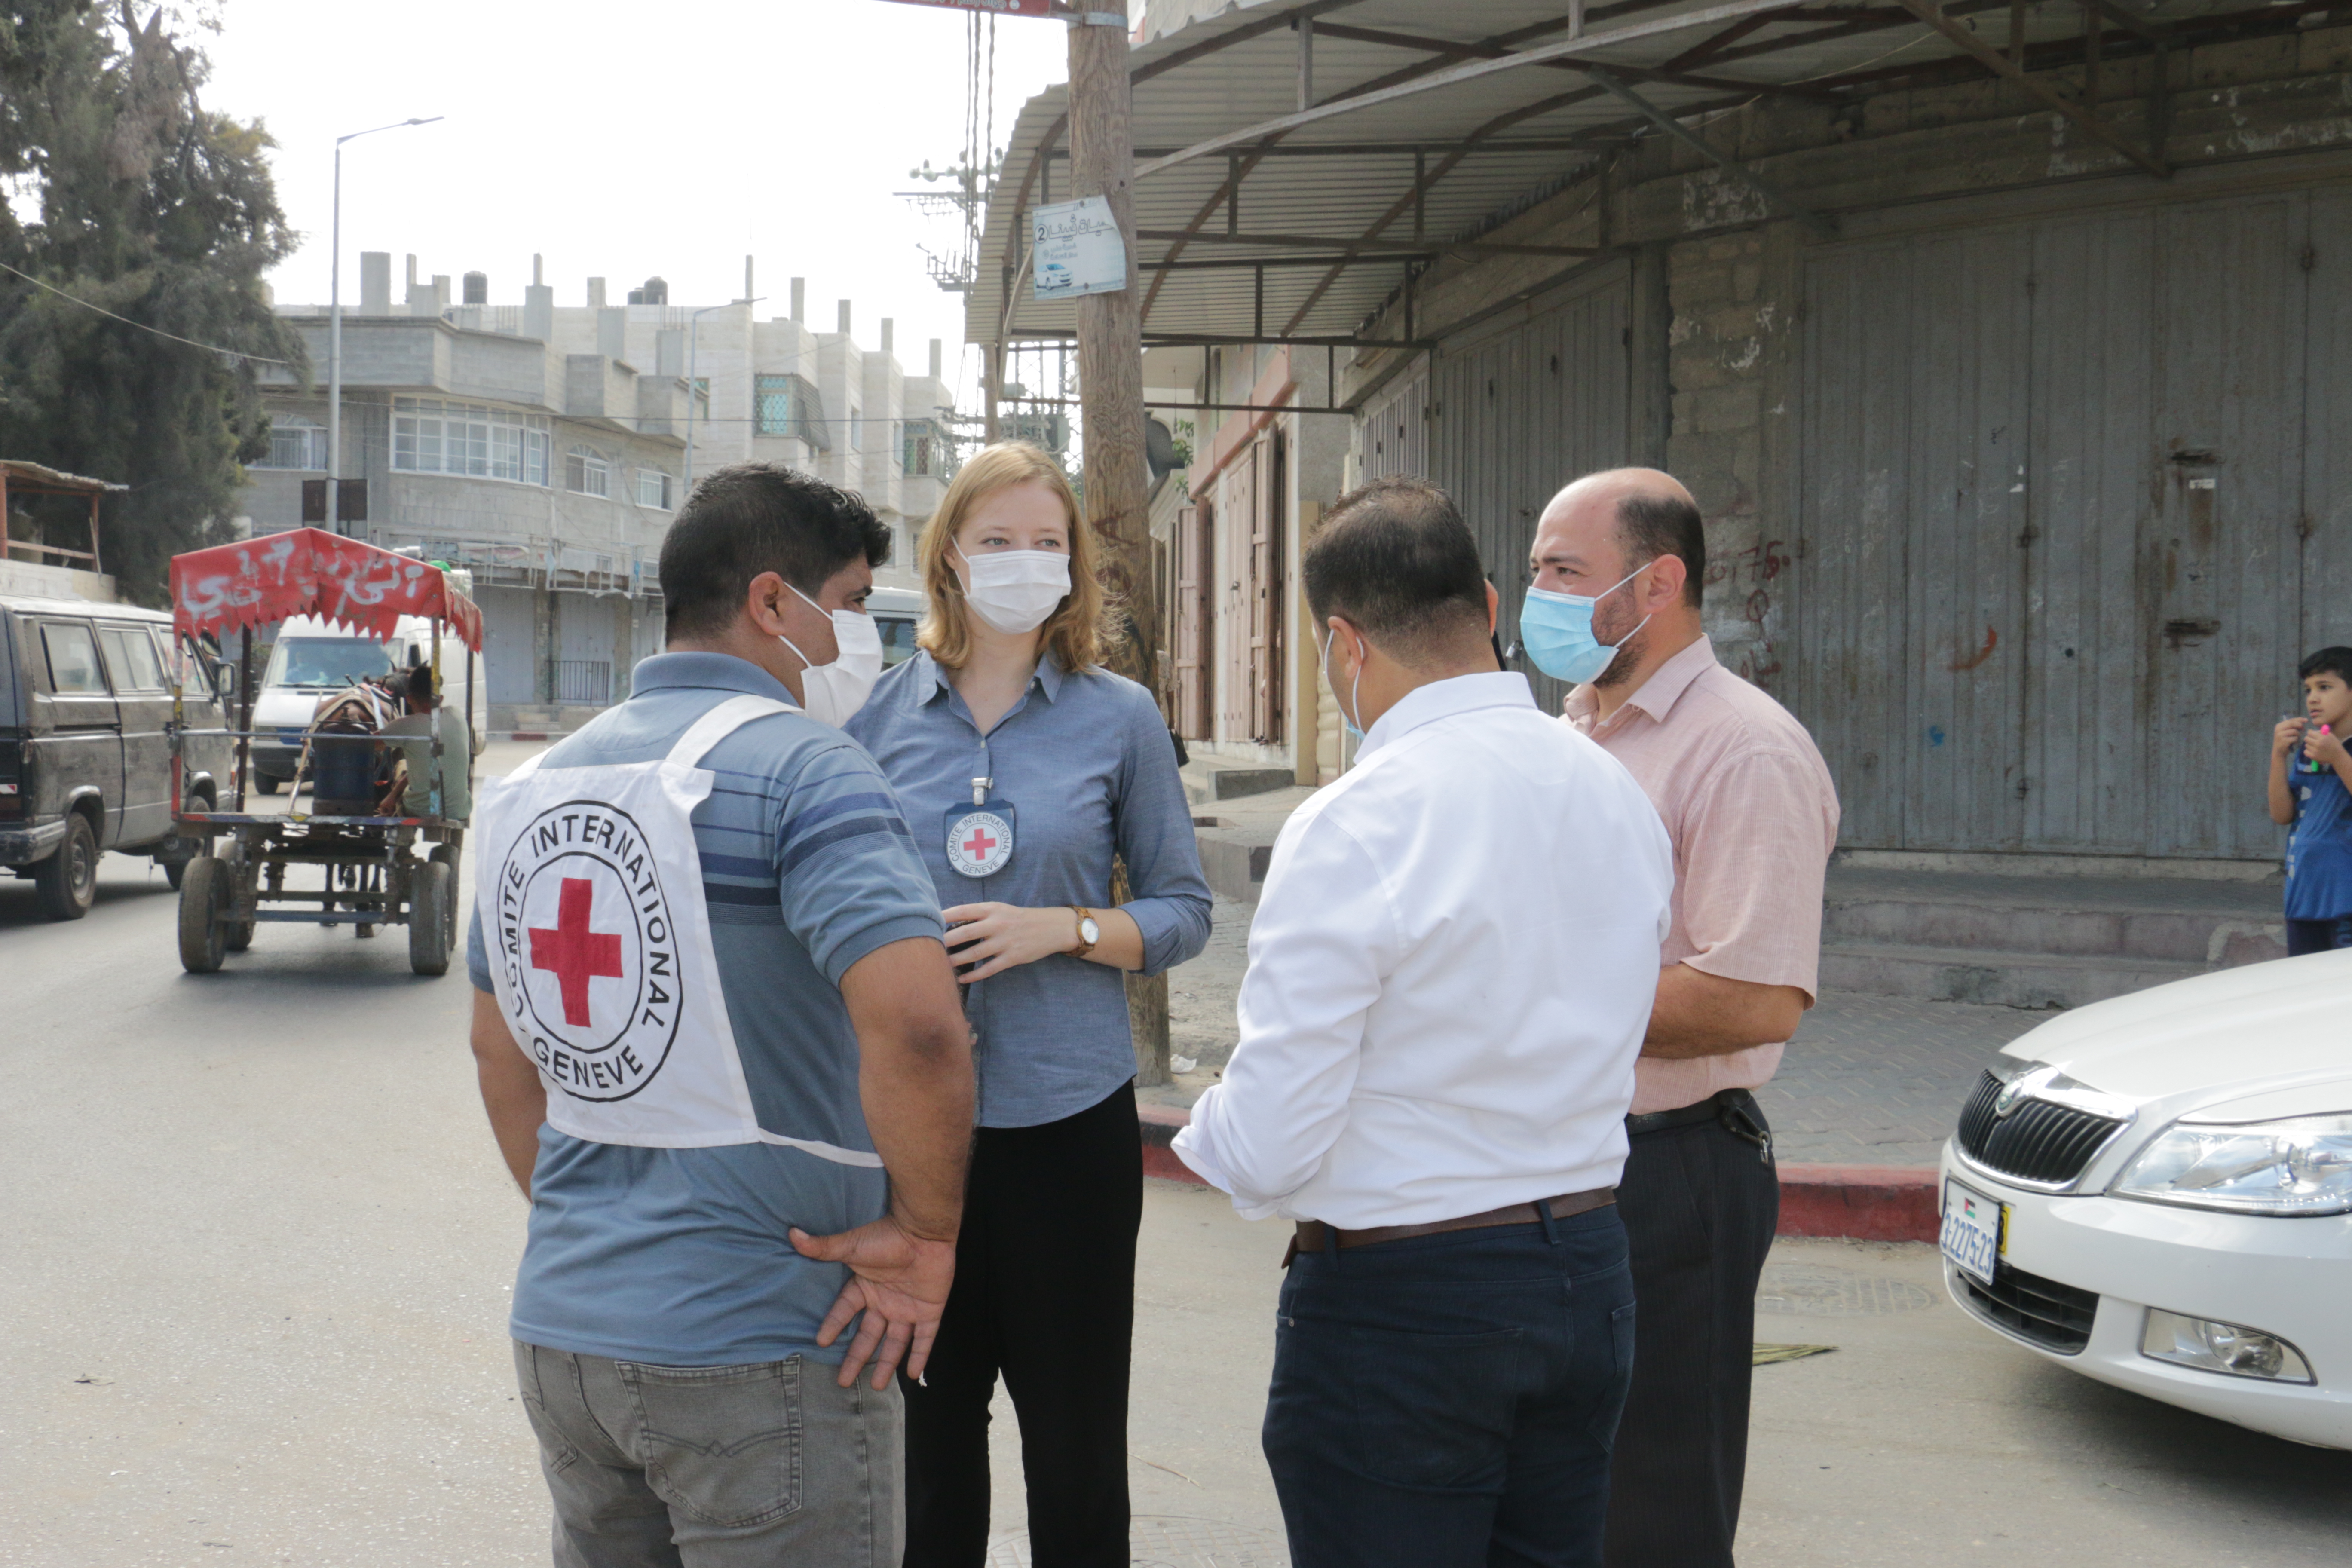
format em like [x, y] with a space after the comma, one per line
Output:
[2299, 1165]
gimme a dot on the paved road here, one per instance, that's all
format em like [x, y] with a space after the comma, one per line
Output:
[259, 1251]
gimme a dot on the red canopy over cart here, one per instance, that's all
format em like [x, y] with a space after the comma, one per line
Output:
[372, 875]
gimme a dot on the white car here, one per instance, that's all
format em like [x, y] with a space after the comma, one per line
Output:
[2157, 1192]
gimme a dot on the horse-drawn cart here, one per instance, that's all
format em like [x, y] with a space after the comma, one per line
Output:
[381, 863]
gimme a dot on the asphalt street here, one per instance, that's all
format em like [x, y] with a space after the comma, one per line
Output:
[259, 1251]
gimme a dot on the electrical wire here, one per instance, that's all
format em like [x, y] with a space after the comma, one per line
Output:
[85, 304]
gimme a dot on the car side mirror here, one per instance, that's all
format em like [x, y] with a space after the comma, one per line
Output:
[225, 680]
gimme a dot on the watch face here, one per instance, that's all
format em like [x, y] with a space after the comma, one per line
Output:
[1089, 932]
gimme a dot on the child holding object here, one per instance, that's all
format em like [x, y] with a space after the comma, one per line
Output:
[2309, 772]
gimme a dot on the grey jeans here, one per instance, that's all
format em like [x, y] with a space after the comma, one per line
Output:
[715, 1467]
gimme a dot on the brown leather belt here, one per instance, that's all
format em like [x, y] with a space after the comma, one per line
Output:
[1313, 1235]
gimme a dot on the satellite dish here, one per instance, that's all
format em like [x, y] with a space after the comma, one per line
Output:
[1159, 446]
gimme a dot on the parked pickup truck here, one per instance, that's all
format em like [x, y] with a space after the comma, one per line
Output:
[85, 758]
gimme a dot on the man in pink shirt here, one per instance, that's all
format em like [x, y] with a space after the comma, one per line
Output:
[1617, 563]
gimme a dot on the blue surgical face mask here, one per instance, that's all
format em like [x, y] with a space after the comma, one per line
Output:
[1556, 629]
[1355, 688]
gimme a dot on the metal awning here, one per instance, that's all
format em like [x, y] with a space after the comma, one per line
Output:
[1296, 163]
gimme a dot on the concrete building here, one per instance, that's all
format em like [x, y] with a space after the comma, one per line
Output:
[2001, 350]
[2002, 342]
[546, 447]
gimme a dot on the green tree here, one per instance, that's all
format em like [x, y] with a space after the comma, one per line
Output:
[125, 192]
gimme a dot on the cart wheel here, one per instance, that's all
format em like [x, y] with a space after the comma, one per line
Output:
[175, 872]
[428, 918]
[264, 784]
[453, 856]
[204, 900]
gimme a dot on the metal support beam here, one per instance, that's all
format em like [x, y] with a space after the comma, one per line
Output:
[1225, 341]
[2002, 66]
[1724, 161]
[1327, 242]
[1476, 70]
[1305, 25]
[1247, 263]
[2092, 29]
[1451, 49]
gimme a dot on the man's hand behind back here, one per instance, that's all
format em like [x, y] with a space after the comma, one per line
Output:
[914, 1077]
[898, 1280]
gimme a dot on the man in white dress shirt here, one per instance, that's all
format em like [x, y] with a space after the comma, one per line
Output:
[1438, 1035]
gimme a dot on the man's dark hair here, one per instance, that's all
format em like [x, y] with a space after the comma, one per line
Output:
[749, 518]
[1655, 525]
[1397, 561]
[2334, 661]
[420, 686]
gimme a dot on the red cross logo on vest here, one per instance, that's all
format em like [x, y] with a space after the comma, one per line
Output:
[573, 951]
[978, 843]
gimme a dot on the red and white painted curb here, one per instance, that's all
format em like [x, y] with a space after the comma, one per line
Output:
[1860, 1203]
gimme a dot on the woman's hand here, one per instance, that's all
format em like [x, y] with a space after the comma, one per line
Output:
[993, 938]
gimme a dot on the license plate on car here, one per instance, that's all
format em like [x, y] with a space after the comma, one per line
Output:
[1971, 1232]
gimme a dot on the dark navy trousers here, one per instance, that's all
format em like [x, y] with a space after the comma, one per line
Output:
[1449, 1400]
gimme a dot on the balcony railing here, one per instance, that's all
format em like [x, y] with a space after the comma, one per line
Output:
[583, 682]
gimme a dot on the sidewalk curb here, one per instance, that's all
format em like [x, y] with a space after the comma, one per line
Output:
[1858, 1202]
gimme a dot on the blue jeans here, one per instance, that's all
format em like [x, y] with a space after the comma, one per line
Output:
[1449, 1400]
[2317, 936]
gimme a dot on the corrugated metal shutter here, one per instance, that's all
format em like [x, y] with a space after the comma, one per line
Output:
[2050, 590]
[1193, 569]
[1395, 432]
[1517, 413]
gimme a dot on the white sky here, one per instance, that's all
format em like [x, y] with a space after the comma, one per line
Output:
[620, 140]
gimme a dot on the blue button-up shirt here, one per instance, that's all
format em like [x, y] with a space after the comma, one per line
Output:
[1085, 762]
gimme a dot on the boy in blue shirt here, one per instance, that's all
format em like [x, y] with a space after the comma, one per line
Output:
[2309, 772]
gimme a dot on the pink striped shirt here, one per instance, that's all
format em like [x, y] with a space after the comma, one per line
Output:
[1753, 817]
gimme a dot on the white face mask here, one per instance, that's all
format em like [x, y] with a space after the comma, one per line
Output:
[833, 693]
[1016, 590]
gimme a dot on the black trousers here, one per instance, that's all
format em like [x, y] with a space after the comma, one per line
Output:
[1700, 1205]
[1045, 1294]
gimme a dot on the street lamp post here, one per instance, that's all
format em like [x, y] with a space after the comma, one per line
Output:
[335, 332]
[693, 343]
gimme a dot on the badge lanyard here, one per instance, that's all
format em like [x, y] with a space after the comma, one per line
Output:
[980, 835]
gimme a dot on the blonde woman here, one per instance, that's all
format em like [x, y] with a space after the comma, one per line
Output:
[1023, 768]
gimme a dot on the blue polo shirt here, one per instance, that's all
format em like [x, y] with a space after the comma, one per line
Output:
[2319, 852]
[683, 1256]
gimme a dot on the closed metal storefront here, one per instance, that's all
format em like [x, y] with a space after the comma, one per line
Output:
[1517, 413]
[2058, 556]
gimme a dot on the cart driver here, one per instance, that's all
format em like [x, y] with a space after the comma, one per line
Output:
[424, 715]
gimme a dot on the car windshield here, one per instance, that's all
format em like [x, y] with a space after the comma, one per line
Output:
[897, 639]
[330, 662]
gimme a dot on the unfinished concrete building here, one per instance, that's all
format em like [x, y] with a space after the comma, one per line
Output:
[2003, 344]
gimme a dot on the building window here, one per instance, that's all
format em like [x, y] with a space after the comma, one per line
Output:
[585, 473]
[856, 428]
[652, 489]
[923, 450]
[437, 436]
[789, 406]
[295, 444]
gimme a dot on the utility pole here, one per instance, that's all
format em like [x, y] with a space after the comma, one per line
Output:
[1110, 397]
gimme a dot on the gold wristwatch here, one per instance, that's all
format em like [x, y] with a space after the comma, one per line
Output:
[1089, 932]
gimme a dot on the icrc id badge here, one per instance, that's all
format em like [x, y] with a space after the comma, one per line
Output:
[980, 838]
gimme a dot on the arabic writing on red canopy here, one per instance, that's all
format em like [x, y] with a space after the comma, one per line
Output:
[309, 571]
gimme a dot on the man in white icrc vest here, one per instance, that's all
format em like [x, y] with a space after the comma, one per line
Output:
[722, 1051]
